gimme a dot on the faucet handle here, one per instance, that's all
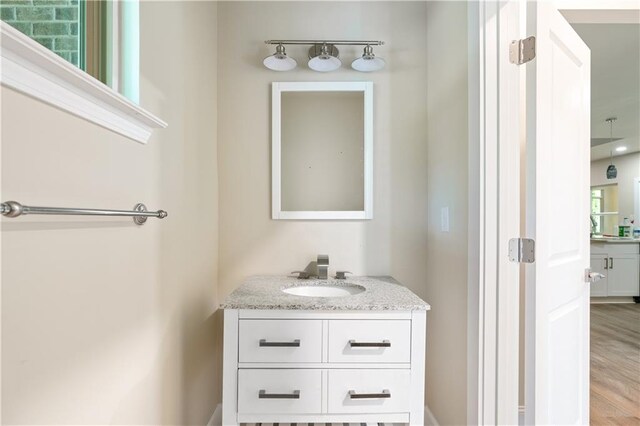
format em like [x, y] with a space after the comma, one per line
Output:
[341, 275]
[302, 275]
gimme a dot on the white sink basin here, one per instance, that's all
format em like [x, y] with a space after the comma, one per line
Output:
[324, 290]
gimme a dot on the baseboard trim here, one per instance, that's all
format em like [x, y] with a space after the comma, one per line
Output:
[429, 418]
[613, 299]
[521, 415]
[216, 418]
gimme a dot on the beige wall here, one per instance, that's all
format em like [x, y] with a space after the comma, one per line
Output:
[420, 161]
[252, 243]
[447, 168]
[104, 322]
[628, 169]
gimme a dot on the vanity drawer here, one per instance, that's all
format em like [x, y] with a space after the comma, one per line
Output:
[369, 391]
[365, 341]
[278, 391]
[280, 341]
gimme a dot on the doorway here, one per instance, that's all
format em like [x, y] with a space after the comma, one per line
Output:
[615, 167]
[556, 175]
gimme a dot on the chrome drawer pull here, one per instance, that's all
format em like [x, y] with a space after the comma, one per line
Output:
[264, 395]
[383, 344]
[385, 394]
[294, 344]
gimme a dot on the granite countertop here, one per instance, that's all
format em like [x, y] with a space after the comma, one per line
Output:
[381, 294]
[616, 240]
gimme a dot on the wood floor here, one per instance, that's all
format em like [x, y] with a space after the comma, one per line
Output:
[615, 364]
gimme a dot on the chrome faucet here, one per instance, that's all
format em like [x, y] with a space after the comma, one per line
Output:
[323, 266]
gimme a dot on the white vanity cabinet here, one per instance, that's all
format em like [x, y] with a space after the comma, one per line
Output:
[620, 264]
[290, 366]
[354, 359]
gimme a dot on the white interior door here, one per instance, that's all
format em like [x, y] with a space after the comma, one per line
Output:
[558, 137]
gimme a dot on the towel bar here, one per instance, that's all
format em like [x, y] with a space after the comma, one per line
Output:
[139, 212]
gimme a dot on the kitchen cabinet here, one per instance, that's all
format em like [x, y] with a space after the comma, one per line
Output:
[600, 264]
[620, 263]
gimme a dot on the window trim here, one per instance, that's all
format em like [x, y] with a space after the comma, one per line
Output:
[30, 68]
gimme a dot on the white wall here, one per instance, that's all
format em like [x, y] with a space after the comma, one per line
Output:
[104, 322]
[448, 174]
[628, 169]
[420, 161]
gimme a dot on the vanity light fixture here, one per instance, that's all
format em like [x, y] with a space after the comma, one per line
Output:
[612, 172]
[323, 55]
[279, 61]
[621, 149]
[368, 61]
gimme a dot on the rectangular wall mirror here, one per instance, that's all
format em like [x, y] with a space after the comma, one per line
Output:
[322, 150]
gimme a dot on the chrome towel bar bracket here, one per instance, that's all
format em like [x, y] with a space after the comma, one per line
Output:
[139, 212]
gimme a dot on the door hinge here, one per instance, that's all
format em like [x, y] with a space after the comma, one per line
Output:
[522, 51]
[522, 250]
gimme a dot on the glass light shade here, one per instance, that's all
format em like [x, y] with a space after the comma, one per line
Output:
[368, 64]
[324, 57]
[324, 63]
[368, 61]
[612, 172]
[279, 62]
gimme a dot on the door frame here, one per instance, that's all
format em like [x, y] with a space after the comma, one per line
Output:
[495, 138]
[493, 289]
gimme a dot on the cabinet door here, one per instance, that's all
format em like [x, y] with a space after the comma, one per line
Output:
[624, 275]
[599, 264]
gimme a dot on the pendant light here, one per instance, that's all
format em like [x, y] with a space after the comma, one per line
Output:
[368, 61]
[324, 57]
[612, 172]
[279, 61]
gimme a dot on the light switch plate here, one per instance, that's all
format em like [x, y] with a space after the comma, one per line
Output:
[444, 219]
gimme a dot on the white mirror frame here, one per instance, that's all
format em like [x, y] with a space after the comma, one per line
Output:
[276, 149]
